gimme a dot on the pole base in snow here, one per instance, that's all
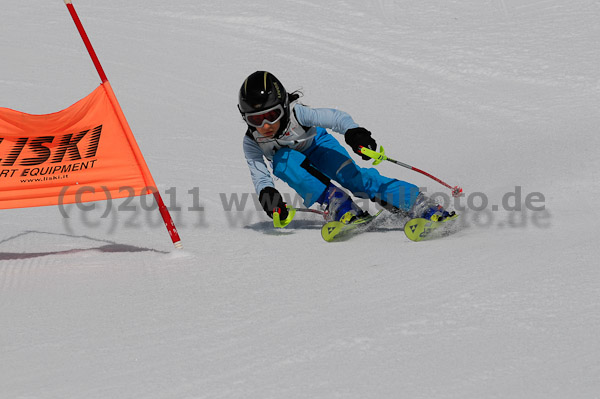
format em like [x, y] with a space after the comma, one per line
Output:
[456, 191]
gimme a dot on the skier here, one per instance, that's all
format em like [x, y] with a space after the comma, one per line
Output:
[294, 139]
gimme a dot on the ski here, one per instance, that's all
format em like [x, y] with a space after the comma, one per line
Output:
[335, 230]
[419, 229]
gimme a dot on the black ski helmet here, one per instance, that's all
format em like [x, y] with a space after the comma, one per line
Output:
[261, 91]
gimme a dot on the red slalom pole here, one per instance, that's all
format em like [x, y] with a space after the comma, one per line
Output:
[164, 212]
[86, 40]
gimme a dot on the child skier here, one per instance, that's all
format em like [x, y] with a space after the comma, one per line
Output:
[293, 138]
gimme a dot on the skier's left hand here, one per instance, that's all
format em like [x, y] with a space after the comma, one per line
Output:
[272, 201]
[360, 137]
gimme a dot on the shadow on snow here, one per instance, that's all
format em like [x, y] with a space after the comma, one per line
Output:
[107, 247]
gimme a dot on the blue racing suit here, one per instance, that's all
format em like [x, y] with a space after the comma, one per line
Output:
[307, 158]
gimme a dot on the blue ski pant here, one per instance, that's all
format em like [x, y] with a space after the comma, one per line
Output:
[309, 174]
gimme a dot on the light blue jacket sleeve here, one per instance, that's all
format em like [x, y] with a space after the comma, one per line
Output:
[261, 176]
[329, 118]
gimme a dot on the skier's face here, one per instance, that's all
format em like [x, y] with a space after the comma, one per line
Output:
[268, 130]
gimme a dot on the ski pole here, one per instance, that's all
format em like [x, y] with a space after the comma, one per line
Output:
[380, 157]
[277, 222]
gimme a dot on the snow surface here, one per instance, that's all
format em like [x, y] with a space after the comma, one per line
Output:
[495, 96]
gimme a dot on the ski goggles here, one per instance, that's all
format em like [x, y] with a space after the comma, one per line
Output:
[270, 116]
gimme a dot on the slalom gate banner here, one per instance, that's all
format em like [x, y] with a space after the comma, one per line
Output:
[83, 153]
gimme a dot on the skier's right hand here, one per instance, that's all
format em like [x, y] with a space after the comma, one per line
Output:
[360, 137]
[271, 200]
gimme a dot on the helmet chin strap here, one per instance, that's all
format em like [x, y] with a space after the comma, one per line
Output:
[282, 129]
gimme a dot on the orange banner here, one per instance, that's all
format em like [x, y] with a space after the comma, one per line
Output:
[83, 153]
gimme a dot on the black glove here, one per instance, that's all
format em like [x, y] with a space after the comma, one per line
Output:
[271, 200]
[360, 137]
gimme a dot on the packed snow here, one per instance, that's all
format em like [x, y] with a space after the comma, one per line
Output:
[501, 97]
